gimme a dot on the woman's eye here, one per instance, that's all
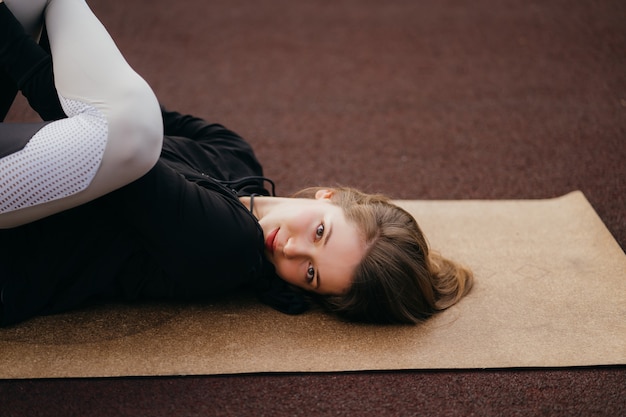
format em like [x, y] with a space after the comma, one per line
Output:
[319, 232]
[310, 274]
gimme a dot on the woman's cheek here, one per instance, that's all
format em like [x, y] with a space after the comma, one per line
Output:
[288, 272]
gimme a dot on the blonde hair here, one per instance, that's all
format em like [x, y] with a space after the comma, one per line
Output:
[399, 280]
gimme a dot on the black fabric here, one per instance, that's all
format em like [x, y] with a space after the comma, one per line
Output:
[179, 232]
[38, 88]
[18, 52]
[175, 233]
[27, 67]
[162, 236]
[14, 136]
[8, 91]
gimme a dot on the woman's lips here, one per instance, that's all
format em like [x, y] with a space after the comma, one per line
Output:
[270, 242]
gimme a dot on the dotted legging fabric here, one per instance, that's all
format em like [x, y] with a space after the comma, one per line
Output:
[60, 160]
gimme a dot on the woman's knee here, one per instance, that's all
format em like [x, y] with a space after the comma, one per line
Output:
[136, 127]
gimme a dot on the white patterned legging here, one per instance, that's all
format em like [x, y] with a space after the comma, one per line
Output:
[113, 133]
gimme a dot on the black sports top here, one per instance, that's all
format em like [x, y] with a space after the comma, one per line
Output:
[178, 232]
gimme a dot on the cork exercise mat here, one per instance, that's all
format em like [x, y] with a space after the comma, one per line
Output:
[550, 292]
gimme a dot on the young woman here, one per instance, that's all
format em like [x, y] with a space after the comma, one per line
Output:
[122, 199]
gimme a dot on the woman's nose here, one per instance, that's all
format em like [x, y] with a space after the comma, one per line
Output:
[294, 248]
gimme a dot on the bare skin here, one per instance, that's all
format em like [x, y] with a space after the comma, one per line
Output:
[309, 241]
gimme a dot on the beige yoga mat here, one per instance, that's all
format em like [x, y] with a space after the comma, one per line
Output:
[550, 292]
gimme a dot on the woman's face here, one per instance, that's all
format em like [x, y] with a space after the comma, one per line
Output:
[311, 244]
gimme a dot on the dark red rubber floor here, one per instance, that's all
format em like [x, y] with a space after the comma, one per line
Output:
[433, 99]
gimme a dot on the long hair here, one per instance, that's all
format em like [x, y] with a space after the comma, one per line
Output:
[399, 280]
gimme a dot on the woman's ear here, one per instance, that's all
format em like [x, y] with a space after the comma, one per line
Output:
[324, 194]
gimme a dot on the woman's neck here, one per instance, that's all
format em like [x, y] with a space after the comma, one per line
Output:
[260, 204]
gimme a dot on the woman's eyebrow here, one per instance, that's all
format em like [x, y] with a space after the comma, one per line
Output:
[330, 232]
[329, 226]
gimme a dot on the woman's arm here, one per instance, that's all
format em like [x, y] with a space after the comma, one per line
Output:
[191, 127]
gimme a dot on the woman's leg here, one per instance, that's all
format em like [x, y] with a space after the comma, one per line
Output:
[8, 91]
[113, 132]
